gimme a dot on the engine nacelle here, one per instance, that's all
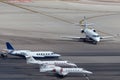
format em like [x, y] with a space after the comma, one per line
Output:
[82, 31]
[4, 53]
[94, 30]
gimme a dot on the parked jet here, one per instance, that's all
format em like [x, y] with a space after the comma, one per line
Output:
[91, 34]
[31, 60]
[62, 71]
[36, 54]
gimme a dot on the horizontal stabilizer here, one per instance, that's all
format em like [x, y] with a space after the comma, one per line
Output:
[91, 24]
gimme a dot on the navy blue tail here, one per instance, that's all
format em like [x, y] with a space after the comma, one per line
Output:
[9, 46]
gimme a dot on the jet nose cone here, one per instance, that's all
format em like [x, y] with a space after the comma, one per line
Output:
[57, 55]
[88, 72]
[97, 39]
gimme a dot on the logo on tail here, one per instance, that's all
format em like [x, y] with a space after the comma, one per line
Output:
[9, 46]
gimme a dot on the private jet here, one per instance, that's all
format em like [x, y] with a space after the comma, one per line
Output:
[36, 54]
[90, 34]
[31, 60]
[62, 72]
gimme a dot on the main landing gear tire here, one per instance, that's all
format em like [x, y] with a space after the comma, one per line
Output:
[85, 40]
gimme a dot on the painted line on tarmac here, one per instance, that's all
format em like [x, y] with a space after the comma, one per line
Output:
[12, 4]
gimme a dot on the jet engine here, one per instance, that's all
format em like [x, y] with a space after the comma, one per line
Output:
[94, 30]
[4, 53]
[82, 31]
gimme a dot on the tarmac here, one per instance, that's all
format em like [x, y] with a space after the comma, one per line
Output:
[41, 25]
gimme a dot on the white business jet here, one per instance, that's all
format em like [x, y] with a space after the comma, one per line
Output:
[63, 71]
[91, 34]
[36, 54]
[31, 60]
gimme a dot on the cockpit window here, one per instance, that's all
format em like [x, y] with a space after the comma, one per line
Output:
[95, 35]
[52, 53]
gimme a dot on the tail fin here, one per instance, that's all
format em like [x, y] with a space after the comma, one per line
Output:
[9, 46]
[84, 23]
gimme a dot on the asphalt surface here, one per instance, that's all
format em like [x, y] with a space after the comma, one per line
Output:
[15, 68]
[41, 26]
[100, 63]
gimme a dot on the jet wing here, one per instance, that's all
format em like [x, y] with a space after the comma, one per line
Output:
[106, 37]
[72, 37]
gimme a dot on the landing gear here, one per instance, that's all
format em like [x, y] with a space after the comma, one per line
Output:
[94, 42]
[85, 39]
[88, 40]
[59, 76]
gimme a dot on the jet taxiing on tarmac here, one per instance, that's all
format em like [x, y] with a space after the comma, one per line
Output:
[36, 54]
[91, 34]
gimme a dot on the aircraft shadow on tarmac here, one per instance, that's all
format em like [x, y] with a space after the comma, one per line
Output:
[12, 58]
[78, 40]
[87, 42]
[50, 74]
